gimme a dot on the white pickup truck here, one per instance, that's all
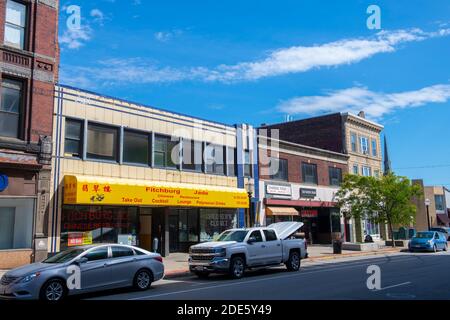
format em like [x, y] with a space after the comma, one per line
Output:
[236, 250]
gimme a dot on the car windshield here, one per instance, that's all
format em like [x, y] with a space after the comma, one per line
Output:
[64, 256]
[237, 236]
[424, 235]
[438, 229]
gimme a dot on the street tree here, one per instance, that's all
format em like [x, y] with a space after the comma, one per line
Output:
[384, 200]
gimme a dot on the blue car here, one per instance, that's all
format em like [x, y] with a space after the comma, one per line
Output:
[428, 241]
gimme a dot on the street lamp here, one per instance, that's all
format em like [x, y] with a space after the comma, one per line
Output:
[427, 204]
[250, 195]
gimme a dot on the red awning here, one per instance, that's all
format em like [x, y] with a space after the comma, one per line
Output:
[443, 218]
[299, 203]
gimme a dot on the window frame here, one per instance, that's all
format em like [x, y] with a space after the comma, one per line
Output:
[276, 177]
[304, 164]
[355, 166]
[192, 143]
[117, 143]
[81, 140]
[233, 163]
[215, 165]
[374, 147]
[330, 169]
[23, 97]
[149, 147]
[366, 144]
[354, 143]
[154, 151]
[25, 27]
[247, 166]
[369, 171]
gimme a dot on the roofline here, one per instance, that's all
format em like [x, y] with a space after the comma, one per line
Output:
[298, 120]
[307, 147]
[363, 119]
[233, 126]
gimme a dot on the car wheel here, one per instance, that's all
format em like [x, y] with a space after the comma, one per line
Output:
[202, 275]
[237, 267]
[293, 264]
[53, 290]
[143, 280]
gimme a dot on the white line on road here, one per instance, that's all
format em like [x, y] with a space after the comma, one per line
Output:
[248, 281]
[394, 286]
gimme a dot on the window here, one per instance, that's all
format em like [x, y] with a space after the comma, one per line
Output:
[439, 201]
[166, 152]
[257, 235]
[335, 176]
[355, 169]
[73, 141]
[366, 171]
[270, 235]
[309, 172]
[376, 173]
[192, 155]
[353, 141]
[231, 162]
[97, 254]
[136, 147]
[102, 142]
[247, 164]
[16, 223]
[374, 148]
[214, 221]
[118, 252]
[364, 143]
[15, 24]
[215, 159]
[11, 108]
[187, 224]
[280, 171]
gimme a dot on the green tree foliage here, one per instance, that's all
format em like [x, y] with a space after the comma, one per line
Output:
[385, 200]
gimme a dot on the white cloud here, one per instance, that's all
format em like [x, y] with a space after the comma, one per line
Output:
[374, 104]
[279, 62]
[164, 36]
[75, 38]
[98, 15]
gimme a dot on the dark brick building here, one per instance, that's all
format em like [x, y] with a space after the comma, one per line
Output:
[28, 72]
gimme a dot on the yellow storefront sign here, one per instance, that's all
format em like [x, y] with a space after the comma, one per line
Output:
[102, 191]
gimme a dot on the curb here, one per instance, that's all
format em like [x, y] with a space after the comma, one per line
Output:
[185, 272]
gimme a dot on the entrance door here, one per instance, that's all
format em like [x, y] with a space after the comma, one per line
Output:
[174, 221]
[145, 234]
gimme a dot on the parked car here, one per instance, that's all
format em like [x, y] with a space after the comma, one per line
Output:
[239, 249]
[428, 241]
[444, 230]
[101, 267]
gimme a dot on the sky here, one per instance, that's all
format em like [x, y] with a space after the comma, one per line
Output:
[260, 61]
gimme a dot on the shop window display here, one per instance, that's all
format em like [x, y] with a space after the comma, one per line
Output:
[84, 225]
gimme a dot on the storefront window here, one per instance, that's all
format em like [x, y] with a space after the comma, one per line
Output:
[214, 221]
[188, 225]
[84, 225]
[16, 223]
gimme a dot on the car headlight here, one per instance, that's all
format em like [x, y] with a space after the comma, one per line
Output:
[220, 252]
[30, 277]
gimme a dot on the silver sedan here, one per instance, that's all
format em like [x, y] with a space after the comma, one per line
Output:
[81, 270]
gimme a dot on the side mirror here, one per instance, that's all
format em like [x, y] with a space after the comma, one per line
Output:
[81, 260]
[251, 240]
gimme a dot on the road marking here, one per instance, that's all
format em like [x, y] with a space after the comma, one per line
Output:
[394, 286]
[248, 281]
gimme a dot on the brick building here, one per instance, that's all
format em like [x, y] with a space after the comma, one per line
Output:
[299, 183]
[346, 133]
[28, 73]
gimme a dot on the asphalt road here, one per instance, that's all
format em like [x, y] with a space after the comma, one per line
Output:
[403, 276]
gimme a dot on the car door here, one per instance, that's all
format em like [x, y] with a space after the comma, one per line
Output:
[95, 272]
[123, 265]
[257, 249]
[273, 247]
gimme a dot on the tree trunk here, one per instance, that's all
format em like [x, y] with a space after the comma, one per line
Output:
[392, 232]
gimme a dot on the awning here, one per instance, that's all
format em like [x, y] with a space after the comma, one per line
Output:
[281, 211]
[86, 190]
[443, 218]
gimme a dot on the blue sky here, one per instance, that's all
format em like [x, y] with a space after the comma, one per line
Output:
[257, 61]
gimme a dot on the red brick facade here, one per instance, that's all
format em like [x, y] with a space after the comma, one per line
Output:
[295, 168]
[26, 159]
